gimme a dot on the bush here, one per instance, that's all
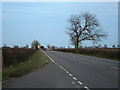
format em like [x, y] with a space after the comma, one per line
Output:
[11, 56]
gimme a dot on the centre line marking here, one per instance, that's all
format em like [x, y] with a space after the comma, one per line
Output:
[66, 71]
[79, 82]
[74, 78]
[62, 67]
[73, 82]
[70, 74]
[86, 88]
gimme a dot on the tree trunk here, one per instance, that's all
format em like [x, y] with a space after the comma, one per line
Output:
[77, 49]
[77, 44]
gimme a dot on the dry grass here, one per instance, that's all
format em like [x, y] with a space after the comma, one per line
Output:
[110, 53]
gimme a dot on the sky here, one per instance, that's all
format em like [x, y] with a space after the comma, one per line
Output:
[23, 22]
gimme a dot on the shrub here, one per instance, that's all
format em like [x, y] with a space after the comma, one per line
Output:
[11, 56]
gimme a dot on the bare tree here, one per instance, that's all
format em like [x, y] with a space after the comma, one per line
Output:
[105, 46]
[84, 27]
[113, 46]
[35, 44]
[53, 47]
[26, 46]
[99, 46]
[48, 46]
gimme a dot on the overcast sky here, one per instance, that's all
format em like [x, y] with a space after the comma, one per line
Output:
[23, 22]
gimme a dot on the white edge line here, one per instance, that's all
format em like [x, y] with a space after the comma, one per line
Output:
[50, 58]
[73, 82]
[60, 66]
[115, 67]
[68, 72]
[87, 88]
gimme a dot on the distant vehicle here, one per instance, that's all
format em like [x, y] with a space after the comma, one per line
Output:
[44, 49]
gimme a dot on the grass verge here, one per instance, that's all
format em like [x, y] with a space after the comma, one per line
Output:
[105, 53]
[38, 60]
[116, 59]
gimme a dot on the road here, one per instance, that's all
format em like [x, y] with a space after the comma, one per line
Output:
[68, 70]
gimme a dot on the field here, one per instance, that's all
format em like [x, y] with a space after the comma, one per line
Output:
[109, 53]
[19, 62]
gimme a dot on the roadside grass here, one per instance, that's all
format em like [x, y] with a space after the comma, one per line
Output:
[117, 59]
[111, 54]
[37, 61]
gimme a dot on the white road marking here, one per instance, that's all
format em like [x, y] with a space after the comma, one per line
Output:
[115, 67]
[64, 69]
[73, 82]
[67, 72]
[87, 88]
[50, 58]
[74, 78]
[56, 64]
[104, 65]
[80, 82]
[53, 61]
[70, 74]
[60, 66]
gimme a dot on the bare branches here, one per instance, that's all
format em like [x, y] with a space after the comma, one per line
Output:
[84, 27]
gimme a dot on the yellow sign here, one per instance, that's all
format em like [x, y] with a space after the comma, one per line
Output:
[38, 46]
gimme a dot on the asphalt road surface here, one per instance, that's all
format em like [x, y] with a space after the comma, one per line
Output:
[68, 70]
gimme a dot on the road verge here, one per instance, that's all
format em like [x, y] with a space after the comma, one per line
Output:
[37, 61]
